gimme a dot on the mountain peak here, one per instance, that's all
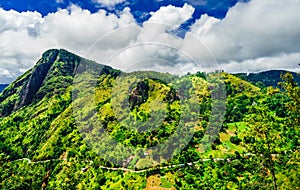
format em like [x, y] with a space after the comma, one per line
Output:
[54, 69]
[52, 75]
[50, 52]
[53, 64]
[58, 55]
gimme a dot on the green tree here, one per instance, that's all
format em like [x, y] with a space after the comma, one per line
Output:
[265, 129]
[291, 166]
[292, 90]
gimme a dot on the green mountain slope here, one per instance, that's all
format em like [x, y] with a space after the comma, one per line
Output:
[36, 107]
[54, 121]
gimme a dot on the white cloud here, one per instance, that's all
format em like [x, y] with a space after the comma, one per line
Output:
[24, 36]
[5, 72]
[252, 32]
[172, 15]
[283, 61]
[161, 22]
[154, 47]
[258, 35]
[204, 25]
[109, 3]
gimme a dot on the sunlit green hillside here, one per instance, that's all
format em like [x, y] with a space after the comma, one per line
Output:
[57, 118]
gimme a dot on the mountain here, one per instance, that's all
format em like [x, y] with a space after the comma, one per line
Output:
[37, 108]
[2, 86]
[267, 78]
[70, 123]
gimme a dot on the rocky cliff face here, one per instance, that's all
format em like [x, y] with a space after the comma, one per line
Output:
[36, 83]
[36, 78]
[139, 94]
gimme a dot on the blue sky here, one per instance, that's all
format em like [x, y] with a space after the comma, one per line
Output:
[241, 35]
[139, 8]
[214, 8]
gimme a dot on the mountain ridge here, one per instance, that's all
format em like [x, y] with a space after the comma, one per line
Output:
[267, 78]
[262, 78]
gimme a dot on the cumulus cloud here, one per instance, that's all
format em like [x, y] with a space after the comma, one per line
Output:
[109, 3]
[172, 15]
[282, 61]
[258, 35]
[98, 36]
[154, 47]
[254, 34]
[24, 36]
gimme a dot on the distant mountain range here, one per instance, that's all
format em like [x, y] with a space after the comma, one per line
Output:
[268, 78]
[2, 86]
